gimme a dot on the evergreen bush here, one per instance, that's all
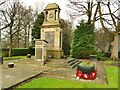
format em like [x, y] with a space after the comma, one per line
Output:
[83, 41]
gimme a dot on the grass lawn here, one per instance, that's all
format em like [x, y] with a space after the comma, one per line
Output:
[44, 82]
[14, 57]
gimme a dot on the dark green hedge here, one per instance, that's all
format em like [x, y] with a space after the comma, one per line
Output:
[18, 51]
[5, 52]
[108, 54]
[103, 56]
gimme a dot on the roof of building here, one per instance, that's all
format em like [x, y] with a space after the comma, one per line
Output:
[52, 6]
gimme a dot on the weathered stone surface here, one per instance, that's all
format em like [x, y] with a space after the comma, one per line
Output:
[51, 6]
[56, 68]
[55, 53]
[51, 30]
[22, 70]
[40, 50]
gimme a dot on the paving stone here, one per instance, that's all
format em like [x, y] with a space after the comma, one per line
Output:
[55, 68]
[20, 72]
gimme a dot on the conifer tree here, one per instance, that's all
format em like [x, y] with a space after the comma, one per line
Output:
[83, 41]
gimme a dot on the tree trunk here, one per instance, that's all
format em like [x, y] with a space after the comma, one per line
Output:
[18, 32]
[10, 47]
[89, 11]
[114, 53]
[25, 42]
[28, 35]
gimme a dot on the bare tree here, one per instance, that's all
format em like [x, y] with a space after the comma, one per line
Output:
[9, 17]
[82, 8]
[113, 22]
[117, 30]
[94, 11]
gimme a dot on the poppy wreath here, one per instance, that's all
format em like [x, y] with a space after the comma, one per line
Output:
[86, 76]
[79, 74]
[93, 75]
[90, 76]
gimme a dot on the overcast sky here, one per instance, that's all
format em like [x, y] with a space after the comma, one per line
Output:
[42, 3]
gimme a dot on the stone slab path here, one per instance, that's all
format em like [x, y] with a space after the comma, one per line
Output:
[56, 68]
[60, 69]
[22, 70]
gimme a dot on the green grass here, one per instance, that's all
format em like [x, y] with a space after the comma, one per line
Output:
[44, 82]
[14, 57]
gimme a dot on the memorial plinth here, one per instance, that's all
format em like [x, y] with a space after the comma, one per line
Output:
[40, 50]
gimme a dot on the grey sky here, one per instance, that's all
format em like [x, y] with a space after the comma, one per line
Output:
[62, 4]
[42, 3]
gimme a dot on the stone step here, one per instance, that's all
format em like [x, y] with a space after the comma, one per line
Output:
[75, 64]
[56, 60]
[57, 63]
[58, 66]
[70, 60]
[71, 63]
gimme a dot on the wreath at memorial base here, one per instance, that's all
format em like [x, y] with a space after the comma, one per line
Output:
[86, 72]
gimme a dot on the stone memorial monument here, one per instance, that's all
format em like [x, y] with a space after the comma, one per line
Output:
[50, 43]
[51, 31]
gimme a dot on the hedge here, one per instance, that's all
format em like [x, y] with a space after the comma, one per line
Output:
[5, 52]
[108, 54]
[18, 51]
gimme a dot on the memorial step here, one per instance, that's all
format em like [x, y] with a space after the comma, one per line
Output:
[71, 63]
[75, 64]
[70, 60]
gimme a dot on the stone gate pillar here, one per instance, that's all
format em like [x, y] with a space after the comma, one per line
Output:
[40, 50]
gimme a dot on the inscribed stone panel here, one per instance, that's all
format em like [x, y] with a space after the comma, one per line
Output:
[38, 53]
[49, 36]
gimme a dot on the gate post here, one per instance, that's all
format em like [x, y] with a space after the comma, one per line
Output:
[41, 50]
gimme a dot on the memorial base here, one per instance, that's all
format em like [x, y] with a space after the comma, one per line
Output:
[57, 54]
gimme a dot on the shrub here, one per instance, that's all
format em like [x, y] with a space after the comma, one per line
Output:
[18, 51]
[83, 41]
[107, 54]
[31, 50]
[101, 56]
[5, 52]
